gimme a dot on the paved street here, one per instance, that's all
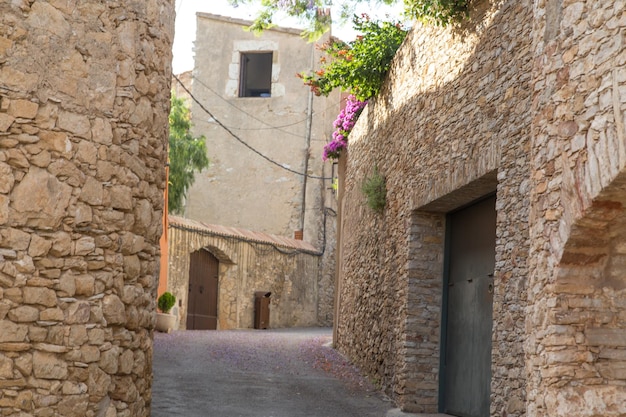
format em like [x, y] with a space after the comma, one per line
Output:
[260, 373]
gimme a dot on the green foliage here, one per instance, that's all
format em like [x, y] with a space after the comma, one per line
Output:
[375, 191]
[187, 155]
[359, 66]
[439, 12]
[165, 302]
[311, 12]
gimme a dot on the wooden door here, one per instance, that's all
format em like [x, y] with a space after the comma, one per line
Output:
[202, 301]
[468, 307]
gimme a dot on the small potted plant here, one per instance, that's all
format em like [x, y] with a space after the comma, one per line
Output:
[165, 321]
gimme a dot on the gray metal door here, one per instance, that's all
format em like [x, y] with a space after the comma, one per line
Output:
[466, 363]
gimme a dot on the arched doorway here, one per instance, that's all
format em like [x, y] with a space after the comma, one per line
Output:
[203, 287]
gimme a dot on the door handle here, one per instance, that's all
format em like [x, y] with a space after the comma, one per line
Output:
[201, 289]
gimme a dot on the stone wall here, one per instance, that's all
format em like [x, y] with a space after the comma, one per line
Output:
[526, 99]
[577, 350]
[262, 188]
[84, 99]
[450, 126]
[249, 262]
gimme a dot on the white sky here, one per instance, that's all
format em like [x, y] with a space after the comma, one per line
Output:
[186, 25]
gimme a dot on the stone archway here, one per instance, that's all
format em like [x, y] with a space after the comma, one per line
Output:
[582, 346]
[575, 348]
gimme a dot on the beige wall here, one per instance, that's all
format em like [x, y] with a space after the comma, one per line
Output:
[241, 188]
[527, 99]
[84, 100]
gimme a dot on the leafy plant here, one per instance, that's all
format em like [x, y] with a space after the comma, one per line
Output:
[165, 302]
[375, 191]
[439, 12]
[187, 155]
[359, 66]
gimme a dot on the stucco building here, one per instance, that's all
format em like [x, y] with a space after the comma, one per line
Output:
[493, 283]
[265, 133]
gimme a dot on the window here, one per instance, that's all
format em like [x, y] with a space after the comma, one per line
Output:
[256, 74]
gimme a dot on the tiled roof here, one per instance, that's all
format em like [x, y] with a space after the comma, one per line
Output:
[243, 234]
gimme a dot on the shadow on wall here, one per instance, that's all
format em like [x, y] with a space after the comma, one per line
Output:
[458, 106]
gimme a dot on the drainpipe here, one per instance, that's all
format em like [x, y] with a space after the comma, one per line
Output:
[309, 127]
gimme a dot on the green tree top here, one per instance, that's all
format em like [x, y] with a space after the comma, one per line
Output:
[439, 12]
[359, 66]
[187, 155]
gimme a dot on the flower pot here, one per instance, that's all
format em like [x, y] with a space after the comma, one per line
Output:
[165, 322]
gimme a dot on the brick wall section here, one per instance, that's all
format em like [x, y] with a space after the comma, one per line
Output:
[451, 125]
[577, 352]
[84, 99]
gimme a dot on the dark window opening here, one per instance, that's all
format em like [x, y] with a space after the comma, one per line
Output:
[256, 75]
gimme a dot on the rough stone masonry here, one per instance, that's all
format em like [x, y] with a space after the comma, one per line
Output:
[84, 100]
[527, 100]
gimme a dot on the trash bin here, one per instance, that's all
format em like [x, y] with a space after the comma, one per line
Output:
[262, 309]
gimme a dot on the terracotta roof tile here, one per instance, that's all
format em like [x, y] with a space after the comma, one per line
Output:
[243, 234]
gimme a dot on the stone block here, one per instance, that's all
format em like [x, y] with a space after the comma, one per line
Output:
[126, 362]
[39, 246]
[99, 381]
[606, 337]
[83, 216]
[89, 354]
[85, 285]
[55, 141]
[23, 109]
[6, 121]
[15, 239]
[4, 209]
[74, 405]
[92, 192]
[61, 244]
[84, 246]
[78, 312]
[109, 360]
[121, 197]
[67, 284]
[113, 309]
[40, 199]
[6, 367]
[124, 389]
[77, 124]
[24, 314]
[52, 314]
[102, 131]
[24, 363]
[42, 296]
[132, 267]
[49, 366]
[77, 336]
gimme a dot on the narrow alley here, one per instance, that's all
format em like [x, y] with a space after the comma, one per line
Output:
[261, 373]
